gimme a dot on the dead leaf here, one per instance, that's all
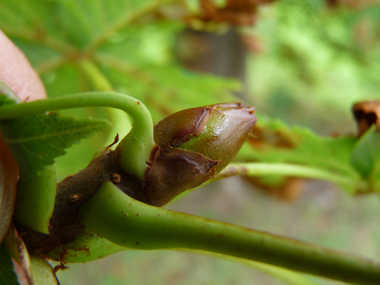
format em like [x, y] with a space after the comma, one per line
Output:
[236, 12]
[366, 113]
[289, 190]
[266, 137]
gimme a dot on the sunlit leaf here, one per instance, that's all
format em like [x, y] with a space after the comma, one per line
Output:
[365, 156]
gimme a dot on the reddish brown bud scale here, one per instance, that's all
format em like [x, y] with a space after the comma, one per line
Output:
[177, 128]
[226, 131]
[174, 171]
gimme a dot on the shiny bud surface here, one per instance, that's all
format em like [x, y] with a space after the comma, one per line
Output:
[192, 146]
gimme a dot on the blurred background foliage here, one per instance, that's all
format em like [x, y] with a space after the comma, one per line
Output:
[310, 66]
[304, 62]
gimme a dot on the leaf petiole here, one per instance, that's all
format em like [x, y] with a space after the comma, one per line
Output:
[288, 169]
[135, 148]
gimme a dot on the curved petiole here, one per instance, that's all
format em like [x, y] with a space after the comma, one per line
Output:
[287, 169]
[136, 147]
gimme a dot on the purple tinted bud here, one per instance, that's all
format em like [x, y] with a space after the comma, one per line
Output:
[193, 145]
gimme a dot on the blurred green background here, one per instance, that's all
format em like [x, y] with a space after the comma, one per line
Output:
[305, 62]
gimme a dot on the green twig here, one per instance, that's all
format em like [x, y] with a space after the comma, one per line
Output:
[127, 222]
[284, 169]
[139, 142]
[100, 82]
[127, 19]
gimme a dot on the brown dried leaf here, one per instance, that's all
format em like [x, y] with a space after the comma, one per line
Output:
[266, 137]
[236, 12]
[289, 190]
[366, 113]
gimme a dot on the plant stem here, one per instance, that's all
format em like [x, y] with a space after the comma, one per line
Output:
[127, 19]
[129, 161]
[97, 78]
[285, 169]
[138, 143]
[127, 222]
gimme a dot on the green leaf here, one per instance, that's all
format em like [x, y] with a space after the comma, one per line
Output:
[7, 275]
[67, 27]
[276, 142]
[365, 157]
[36, 140]
[308, 7]
[174, 90]
[84, 20]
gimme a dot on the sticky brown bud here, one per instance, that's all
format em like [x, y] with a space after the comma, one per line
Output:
[224, 134]
[193, 145]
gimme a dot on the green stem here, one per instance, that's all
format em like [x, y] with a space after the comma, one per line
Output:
[97, 78]
[285, 169]
[136, 146]
[127, 222]
[127, 19]
[129, 161]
